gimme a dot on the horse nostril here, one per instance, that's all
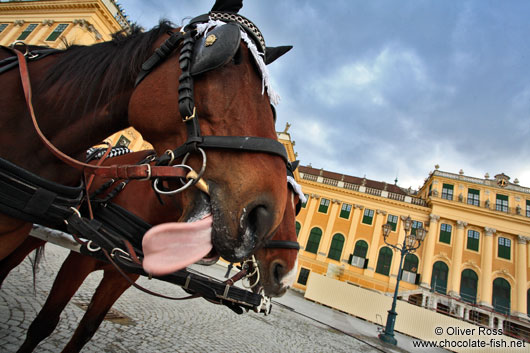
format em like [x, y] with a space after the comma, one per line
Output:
[259, 221]
[277, 272]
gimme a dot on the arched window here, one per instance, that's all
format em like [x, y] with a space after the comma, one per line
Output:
[298, 226]
[501, 296]
[314, 240]
[361, 249]
[384, 260]
[411, 263]
[335, 250]
[439, 277]
[468, 286]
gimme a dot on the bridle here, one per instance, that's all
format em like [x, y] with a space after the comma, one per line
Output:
[164, 168]
[195, 142]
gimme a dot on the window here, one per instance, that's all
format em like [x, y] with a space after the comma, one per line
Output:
[27, 31]
[447, 191]
[472, 239]
[302, 277]
[297, 226]
[314, 240]
[345, 211]
[361, 249]
[468, 286]
[504, 248]
[384, 260]
[415, 225]
[501, 296]
[324, 204]
[411, 263]
[527, 208]
[335, 250]
[2, 27]
[473, 197]
[502, 203]
[57, 32]
[304, 204]
[392, 220]
[123, 142]
[439, 277]
[445, 233]
[368, 216]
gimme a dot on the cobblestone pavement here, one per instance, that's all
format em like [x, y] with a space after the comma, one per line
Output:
[158, 325]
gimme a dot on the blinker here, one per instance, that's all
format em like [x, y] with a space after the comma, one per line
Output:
[206, 56]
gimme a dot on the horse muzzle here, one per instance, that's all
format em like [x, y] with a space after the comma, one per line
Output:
[236, 236]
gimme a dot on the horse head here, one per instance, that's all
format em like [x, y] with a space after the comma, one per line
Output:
[205, 91]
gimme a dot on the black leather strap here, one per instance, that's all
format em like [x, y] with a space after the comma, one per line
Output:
[282, 244]
[159, 55]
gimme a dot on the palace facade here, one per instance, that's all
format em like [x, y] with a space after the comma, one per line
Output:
[59, 23]
[473, 263]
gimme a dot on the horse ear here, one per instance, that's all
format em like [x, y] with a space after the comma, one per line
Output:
[273, 53]
[294, 165]
[227, 5]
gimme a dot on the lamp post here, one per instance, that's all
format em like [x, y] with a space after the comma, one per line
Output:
[410, 244]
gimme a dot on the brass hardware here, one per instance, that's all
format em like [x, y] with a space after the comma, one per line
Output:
[200, 184]
[189, 117]
[210, 40]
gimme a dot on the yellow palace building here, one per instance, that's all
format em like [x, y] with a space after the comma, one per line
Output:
[58, 23]
[472, 265]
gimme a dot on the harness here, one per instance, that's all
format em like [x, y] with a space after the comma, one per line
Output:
[27, 196]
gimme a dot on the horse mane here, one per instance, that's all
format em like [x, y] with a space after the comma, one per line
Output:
[95, 73]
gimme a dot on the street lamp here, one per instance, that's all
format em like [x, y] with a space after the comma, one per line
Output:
[410, 244]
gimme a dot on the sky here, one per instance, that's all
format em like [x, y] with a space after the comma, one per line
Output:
[388, 89]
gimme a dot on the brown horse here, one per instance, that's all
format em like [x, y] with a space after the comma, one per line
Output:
[138, 198]
[83, 94]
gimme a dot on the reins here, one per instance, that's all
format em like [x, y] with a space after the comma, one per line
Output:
[145, 171]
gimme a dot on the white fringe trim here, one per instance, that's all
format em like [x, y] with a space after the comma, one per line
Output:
[297, 188]
[202, 28]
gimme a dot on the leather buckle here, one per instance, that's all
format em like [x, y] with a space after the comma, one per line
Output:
[148, 177]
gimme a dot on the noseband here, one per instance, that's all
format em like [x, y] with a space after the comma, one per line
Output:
[197, 57]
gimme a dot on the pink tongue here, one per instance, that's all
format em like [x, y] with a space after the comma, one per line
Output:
[169, 247]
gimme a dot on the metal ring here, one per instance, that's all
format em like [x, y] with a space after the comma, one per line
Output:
[15, 43]
[171, 156]
[76, 211]
[176, 191]
[90, 248]
[123, 252]
[203, 167]
[254, 263]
